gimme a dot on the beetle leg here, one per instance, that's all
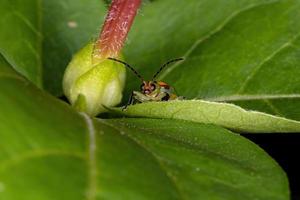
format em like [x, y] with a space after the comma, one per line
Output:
[166, 97]
[130, 101]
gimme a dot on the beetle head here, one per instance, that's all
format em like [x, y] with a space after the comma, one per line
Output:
[149, 87]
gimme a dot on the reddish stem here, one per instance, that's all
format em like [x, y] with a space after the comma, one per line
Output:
[115, 29]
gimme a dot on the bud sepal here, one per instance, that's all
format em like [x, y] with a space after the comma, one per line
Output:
[91, 86]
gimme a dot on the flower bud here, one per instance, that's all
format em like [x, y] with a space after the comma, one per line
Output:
[89, 86]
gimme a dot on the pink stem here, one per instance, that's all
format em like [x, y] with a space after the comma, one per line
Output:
[115, 29]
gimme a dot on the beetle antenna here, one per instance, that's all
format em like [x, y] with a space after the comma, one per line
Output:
[127, 65]
[166, 64]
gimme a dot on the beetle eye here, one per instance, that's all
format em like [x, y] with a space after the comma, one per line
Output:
[142, 87]
[153, 87]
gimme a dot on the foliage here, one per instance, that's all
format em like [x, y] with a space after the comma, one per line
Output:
[241, 51]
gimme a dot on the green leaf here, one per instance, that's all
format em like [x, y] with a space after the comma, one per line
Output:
[48, 151]
[241, 51]
[20, 37]
[223, 114]
[202, 161]
[38, 38]
[6, 69]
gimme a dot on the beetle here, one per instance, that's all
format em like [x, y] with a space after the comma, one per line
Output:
[152, 90]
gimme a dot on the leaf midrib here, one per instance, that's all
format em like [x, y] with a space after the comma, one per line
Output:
[91, 158]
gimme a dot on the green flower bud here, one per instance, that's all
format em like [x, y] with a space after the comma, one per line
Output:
[89, 86]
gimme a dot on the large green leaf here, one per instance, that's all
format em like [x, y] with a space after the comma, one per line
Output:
[241, 51]
[48, 151]
[38, 38]
[222, 114]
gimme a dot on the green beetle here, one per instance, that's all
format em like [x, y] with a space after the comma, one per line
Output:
[151, 90]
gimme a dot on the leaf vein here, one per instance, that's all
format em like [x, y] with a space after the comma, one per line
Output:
[218, 29]
[253, 97]
[267, 59]
[35, 154]
[273, 108]
[12, 76]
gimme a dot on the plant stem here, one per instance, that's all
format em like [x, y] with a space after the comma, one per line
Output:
[115, 29]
